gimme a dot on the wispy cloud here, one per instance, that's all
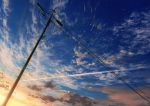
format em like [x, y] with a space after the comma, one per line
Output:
[6, 7]
[5, 13]
[61, 4]
[134, 32]
[79, 56]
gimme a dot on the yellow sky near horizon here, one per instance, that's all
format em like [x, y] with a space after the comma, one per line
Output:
[20, 96]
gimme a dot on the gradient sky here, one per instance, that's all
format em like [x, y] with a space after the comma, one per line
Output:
[62, 72]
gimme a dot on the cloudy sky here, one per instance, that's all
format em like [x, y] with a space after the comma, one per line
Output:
[103, 46]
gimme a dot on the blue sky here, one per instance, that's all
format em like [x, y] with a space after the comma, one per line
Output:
[62, 72]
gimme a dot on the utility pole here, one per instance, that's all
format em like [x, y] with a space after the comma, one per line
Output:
[31, 54]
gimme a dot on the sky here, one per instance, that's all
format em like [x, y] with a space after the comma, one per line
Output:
[102, 45]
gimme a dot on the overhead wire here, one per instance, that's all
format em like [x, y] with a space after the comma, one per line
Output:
[98, 59]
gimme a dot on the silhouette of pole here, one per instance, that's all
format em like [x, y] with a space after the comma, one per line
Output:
[27, 61]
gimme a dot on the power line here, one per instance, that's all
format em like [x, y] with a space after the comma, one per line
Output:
[100, 60]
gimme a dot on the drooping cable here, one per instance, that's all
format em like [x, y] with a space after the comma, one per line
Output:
[98, 59]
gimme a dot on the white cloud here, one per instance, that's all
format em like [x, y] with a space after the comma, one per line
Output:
[79, 56]
[5, 13]
[5, 7]
[61, 4]
[135, 32]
